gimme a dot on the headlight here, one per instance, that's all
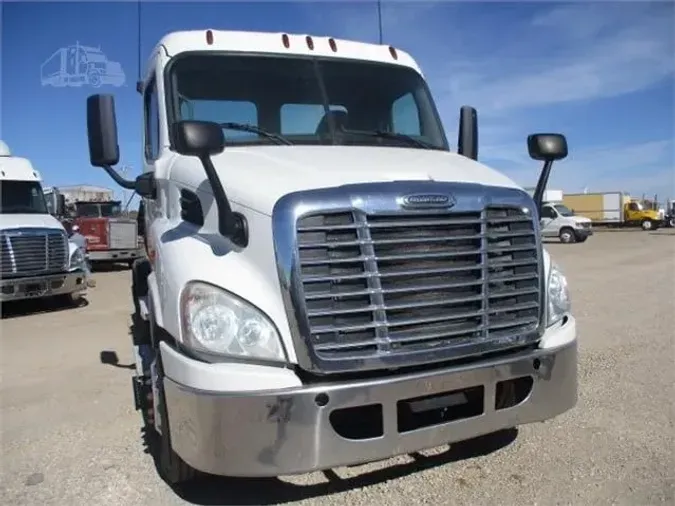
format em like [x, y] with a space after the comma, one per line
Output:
[558, 295]
[215, 321]
[76, 259]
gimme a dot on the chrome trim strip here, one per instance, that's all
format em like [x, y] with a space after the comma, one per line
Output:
[385, 198]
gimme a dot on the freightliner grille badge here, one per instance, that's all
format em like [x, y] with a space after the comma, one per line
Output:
[428, 200]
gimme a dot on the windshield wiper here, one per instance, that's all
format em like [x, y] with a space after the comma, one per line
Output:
[256, 130]
[393, 135]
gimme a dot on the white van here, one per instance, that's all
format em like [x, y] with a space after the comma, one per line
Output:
[559, 221]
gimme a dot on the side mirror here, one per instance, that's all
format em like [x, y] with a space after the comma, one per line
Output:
[203, 139]
[102, 131]
[145, 186]
[547, 147]
[60, 205]
[198, 138]
[467, 138]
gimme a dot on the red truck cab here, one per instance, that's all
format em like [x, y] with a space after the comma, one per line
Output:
[110, 236]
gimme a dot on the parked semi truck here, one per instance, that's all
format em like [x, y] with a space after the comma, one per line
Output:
[331, 288]
[614, 209]
[111, 236]
[36, 258]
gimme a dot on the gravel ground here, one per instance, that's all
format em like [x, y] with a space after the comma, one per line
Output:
[70, 435]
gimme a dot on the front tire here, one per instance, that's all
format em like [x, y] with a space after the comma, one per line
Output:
[647, 224]
[567, 235]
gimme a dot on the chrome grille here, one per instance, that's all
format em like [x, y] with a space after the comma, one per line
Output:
[25, 252]
[122, 235]
[378, 289]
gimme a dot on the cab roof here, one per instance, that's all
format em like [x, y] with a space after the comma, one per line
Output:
[282, 43]
[14, 168]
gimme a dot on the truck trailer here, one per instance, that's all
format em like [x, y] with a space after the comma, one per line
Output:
[613, 209]
[335, 289]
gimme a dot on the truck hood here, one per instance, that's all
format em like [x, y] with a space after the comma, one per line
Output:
[11, 221]
[256, 177]
[580, 219]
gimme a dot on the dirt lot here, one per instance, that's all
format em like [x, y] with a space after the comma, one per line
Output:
[70, 435]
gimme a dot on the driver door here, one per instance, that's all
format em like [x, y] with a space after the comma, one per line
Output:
[548, 222]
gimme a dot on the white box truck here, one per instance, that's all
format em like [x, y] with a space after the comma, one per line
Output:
[326, 283]
[36, 258]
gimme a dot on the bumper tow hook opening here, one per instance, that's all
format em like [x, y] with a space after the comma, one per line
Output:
[321, 400]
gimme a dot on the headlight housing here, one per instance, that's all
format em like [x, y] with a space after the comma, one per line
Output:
[76, 259]
[558, 295]
[217, 322]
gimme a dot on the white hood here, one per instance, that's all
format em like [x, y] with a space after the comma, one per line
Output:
[580, 219]
[256, 177]
[9, 221]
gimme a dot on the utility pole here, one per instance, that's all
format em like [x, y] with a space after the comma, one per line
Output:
[379, 19]
[124, 170]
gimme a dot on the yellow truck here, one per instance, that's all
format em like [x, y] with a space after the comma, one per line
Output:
[613, 209]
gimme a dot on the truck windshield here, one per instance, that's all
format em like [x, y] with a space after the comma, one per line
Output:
[98, 210]
[563, 210]
[22, 197]
[109, 210]
[312, 101]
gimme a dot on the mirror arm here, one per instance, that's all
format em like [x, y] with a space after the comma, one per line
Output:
[124, 183]
[230, 224]
[541, 186]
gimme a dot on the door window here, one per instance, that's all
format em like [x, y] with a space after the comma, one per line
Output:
[549, 213]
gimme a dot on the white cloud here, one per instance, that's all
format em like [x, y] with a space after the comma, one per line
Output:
[601, 52]
[522, 74]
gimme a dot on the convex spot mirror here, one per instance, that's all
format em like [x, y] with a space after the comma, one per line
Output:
[198, 138]
[547, 147]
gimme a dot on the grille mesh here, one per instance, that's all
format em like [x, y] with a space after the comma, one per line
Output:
[406, 282]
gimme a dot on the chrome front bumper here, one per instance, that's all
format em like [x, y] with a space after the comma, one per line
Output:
[291, 431]
[43, 286]
[114, 255]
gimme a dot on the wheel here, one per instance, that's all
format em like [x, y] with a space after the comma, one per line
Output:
[671, 222]
[94, 78]
[647, 224]
[172, 468]
[567, 235]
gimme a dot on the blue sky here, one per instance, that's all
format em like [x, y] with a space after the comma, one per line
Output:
[600, 72]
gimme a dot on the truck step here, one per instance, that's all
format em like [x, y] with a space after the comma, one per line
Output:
[140, 388]
[143, 307]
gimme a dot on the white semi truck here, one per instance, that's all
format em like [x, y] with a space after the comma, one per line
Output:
[326, 283]
[36, 258]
